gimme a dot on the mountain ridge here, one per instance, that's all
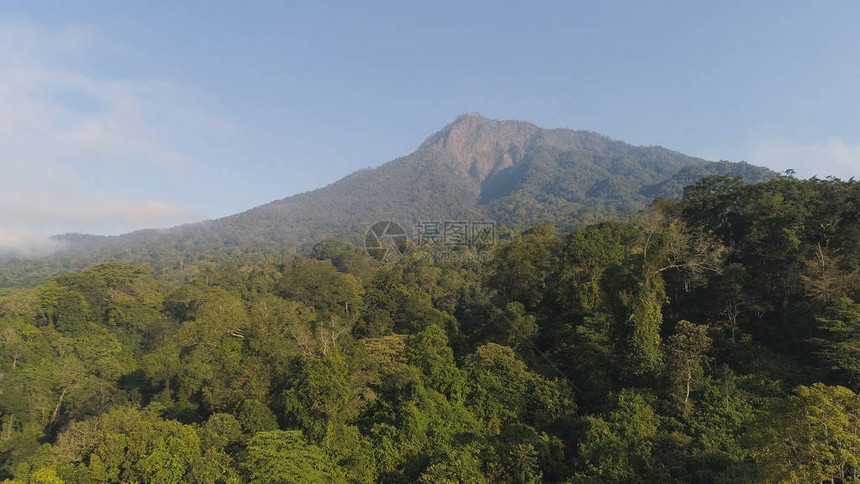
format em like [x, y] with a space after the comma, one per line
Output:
[510, 171]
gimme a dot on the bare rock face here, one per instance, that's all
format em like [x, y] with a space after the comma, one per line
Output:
[479, 147]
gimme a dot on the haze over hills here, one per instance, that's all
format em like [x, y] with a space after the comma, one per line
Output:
[512, 172]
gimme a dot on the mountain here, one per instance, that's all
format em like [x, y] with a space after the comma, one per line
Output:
[512, 172]
[509, 171]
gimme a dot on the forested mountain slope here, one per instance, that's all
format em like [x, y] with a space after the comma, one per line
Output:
[511, 172]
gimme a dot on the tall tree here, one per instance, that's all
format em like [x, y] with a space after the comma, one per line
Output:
[686, 354]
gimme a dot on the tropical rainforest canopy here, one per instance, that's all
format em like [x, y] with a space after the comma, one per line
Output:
[711, 339]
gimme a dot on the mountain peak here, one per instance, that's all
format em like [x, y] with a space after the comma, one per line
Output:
[479, 146]
[477, 119]
[472, 115]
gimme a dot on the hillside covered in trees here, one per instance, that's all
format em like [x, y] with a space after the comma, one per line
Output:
[712, 339]
[511, 172]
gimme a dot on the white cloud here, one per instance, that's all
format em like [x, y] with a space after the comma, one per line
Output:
[60, 123]
[18, 241]
[832, 157]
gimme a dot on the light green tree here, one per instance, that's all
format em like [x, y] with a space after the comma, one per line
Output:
[813, 437]
[285, 457]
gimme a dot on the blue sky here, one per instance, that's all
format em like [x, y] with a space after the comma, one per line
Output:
[121, 115]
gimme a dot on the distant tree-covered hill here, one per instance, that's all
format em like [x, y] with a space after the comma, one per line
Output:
[475, 168]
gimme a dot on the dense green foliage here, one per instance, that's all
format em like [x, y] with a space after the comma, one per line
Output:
[713, 339]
